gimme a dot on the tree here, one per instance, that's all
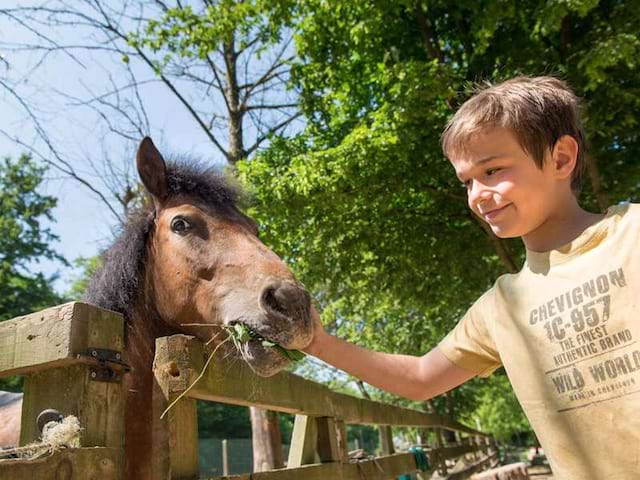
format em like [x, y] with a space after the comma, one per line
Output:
[225, 62]
[24, 241]
[363, 202]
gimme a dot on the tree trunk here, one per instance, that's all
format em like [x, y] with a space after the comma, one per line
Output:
[450, 435]
[267, 445]
[236, 141]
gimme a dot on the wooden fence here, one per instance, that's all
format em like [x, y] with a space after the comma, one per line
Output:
[73, 358]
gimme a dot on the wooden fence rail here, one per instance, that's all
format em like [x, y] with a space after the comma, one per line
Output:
[319, 444]
[73, 359]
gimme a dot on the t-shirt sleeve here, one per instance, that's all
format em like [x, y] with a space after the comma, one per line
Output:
[470, 344]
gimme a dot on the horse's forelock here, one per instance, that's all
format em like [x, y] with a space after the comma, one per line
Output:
[204, 182]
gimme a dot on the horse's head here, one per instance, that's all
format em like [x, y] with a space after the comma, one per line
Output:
[206, 266]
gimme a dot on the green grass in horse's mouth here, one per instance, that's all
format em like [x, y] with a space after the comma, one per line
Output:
[241, 333]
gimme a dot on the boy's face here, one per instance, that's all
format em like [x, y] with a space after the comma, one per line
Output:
[505, 188]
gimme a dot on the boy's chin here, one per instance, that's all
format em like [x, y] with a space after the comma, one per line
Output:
[502, 232]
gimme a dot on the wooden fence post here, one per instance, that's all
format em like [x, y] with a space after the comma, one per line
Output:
[72, 356]
[71, 389]
[175, 437]
[332, 440]
[225, 457]
[386, 439]
[304, 439]
[442, 463]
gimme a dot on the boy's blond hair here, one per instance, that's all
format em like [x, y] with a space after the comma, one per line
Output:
[539, 110]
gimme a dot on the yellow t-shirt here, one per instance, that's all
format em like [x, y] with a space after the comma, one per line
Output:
[566, 329]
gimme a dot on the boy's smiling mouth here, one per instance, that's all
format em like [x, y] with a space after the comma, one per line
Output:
[492, 214]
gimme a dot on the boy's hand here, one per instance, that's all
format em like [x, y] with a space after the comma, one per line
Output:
[319, 333]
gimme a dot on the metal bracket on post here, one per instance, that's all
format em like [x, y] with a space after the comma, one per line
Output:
[106, 365]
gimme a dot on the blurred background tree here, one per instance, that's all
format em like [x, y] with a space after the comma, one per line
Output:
[24, 242]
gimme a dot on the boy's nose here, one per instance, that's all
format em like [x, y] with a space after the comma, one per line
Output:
[478, 193]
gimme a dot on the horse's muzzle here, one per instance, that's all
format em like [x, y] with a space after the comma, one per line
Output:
[288, 310]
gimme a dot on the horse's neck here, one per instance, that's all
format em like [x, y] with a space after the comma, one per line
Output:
[142, 332]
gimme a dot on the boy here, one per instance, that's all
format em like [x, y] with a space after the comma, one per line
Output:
[565, 327]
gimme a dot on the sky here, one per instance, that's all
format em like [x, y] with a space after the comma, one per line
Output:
[82, 222]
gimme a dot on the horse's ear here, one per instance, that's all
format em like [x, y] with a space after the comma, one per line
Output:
[152, 170]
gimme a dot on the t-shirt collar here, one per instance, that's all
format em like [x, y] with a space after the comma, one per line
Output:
[590, 238]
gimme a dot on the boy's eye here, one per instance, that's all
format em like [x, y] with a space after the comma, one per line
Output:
[491, 171]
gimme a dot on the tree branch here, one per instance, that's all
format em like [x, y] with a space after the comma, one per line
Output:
[270, 107]
[109, 27]
[271, 131]
[60, 164]
[428, 37]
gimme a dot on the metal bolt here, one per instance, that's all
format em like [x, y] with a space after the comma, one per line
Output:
[118, 356]
[46, 416]
[94, 353]
[94, 374]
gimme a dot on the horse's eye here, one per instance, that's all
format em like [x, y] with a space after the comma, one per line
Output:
[180, 225]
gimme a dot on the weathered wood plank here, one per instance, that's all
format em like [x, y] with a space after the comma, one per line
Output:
[386, 440]
[329, 443]
[304, 442]
[289, 393]
[486, 462]
[99, 406]
[175, 437]
[55, 336]
[513, 471]
[456, 451]
[382, 468]
[72, 464]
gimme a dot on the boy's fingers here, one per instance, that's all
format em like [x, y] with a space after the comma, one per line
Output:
[318, 330]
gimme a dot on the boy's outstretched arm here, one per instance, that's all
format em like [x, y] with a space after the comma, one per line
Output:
[417, 378]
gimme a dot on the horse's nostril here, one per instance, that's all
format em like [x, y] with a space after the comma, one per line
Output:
[286, 299]
[272, 303]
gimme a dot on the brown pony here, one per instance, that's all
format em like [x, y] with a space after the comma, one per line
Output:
[192, 257]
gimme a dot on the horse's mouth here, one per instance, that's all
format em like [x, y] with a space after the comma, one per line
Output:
[264, 360]
[263, 355]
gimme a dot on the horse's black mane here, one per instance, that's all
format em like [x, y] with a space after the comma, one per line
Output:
[115, 285]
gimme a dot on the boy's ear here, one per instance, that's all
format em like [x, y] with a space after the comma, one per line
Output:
[564, 156]
[152, 170]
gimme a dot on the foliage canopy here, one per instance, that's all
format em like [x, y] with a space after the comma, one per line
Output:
[363, 202]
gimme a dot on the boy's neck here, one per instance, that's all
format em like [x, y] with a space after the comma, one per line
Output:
[564, 225]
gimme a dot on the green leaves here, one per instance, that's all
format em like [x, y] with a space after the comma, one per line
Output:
[187, 32]
[241, 333]
[24, 239]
